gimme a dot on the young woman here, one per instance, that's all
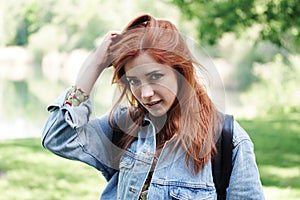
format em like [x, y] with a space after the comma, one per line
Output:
[160, 144]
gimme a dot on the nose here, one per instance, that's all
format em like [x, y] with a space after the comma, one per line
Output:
[146, 91]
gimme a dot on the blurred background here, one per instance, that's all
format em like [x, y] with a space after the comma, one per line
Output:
[254, 45]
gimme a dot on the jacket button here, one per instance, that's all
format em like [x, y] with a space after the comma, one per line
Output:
[132, 190]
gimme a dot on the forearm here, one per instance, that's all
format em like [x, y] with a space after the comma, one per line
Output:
[98, 60]
[69, 134]
[60, 128]
[89, 73]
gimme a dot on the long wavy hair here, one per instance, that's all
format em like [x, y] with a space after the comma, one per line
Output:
[193, 117]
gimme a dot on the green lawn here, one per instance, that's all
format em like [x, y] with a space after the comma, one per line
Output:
[30, 172]
[27, 171]
[277, 149]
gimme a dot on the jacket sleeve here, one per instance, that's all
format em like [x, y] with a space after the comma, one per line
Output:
[245, 179]
[69, 133]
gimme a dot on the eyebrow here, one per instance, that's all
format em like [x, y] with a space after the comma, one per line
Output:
[148, 74]
[155, 71]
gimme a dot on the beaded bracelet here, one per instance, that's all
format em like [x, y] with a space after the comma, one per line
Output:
[75, 96]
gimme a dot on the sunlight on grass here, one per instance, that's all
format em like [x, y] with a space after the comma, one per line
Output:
[31, 172]
[276, 145]
[291, 172]
[285, 180]
[275, 193]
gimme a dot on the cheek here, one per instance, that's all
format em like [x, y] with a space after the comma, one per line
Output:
[173, 85]
[135, 93]
[168, 91]
[174, 89]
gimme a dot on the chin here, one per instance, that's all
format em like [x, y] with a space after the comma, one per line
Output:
[158, 114]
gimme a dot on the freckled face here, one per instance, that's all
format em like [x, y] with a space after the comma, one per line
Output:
[154, 85]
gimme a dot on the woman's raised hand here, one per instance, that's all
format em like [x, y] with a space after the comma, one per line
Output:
[96, 62]
[103, 53]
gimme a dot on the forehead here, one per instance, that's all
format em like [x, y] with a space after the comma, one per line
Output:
[143, 64]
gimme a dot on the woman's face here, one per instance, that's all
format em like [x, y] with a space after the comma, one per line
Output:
[154, 85]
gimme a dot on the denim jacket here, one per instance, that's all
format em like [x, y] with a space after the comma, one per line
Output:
[70, 133]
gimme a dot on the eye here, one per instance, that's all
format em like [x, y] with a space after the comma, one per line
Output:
[156, 76]
[133, 81]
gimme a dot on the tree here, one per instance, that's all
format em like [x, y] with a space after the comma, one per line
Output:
[275, 21]
[21, 19]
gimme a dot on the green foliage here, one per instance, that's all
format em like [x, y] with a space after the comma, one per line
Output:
[77, 23]
[19, 101]
[28, 18]
[62, 26]
[28, 99]
[277, 90]
[274, 21]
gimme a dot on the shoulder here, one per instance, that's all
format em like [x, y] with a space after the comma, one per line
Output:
[124, 116]
[239, 135]
[120, 112]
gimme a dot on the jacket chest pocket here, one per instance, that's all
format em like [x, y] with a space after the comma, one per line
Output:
[126, 166]
[190, 193]
[126, 162]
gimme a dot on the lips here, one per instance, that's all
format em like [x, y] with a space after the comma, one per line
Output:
[153, 103]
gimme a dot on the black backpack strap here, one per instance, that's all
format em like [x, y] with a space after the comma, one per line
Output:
[116, 137]
[222, 161]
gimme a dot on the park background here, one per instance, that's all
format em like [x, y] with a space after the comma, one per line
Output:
[254, 45]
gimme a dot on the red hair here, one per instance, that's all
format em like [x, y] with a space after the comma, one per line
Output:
[193, 116]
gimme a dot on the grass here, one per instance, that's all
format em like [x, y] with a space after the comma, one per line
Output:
[278, 154]
[30, 172]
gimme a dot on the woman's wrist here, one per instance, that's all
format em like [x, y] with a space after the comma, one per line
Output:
[89, 73]
[75, 96]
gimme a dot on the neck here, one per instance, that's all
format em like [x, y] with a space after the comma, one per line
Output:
[159, 122]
